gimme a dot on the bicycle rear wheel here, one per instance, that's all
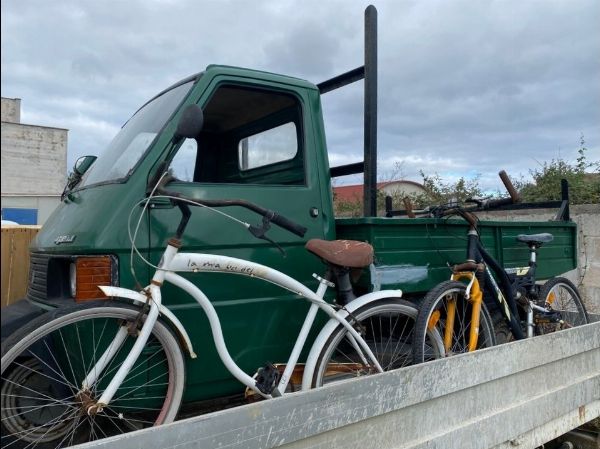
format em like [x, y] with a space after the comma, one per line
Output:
[433, 318]
[561, 298]
[45, 363]
[387, 327]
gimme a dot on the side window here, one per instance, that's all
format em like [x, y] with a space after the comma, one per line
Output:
[268, 147]
[184, 163]
[250, 136]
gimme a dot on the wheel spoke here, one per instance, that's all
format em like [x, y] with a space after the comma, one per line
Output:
[45, 360]
[386, 331]
[454, 330]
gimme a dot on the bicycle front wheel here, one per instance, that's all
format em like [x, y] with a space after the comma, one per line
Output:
[446, 312]
[45, 363]
[387, 327]
[564, 305]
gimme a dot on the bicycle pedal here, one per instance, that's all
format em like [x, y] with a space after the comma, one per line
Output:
[267, 378]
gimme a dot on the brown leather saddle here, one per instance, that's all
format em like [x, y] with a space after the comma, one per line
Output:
[343, 253]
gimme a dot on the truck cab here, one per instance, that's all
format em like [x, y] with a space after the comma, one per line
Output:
[263, 141]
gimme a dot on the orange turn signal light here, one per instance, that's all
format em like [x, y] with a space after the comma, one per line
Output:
[90, 273]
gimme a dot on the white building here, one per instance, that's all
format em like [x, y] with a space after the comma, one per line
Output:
[34, 166]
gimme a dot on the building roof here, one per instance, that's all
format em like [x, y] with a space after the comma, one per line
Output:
[354, 193]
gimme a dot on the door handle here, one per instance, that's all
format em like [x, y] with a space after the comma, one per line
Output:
[159, 203]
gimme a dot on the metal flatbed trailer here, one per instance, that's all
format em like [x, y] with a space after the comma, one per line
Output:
[517, 395]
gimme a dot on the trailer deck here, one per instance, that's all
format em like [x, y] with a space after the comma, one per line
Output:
[520, 394]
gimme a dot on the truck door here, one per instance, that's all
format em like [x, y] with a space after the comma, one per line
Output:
[256, 145]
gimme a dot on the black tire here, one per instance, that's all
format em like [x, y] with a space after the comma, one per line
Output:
[501, 327]
[44, 364]
[434, 308]
[386, 325]
[560, 297]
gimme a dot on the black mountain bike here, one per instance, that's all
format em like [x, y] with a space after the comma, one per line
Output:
[456, 308]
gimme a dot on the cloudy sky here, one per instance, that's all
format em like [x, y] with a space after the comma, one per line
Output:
[465, 87]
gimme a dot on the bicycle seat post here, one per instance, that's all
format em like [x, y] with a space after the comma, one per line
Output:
[342, 257]
[532, 253]
[324, 282]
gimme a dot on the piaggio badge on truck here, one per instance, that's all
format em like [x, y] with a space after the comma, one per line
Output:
[64, 239]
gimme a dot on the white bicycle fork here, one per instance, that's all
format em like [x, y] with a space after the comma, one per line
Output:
[136, 350]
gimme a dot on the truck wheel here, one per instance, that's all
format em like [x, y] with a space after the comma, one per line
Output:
[44, 365]
[433, 315]
[387, 326]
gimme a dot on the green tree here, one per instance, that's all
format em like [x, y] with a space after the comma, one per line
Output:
[440, 192]
[583, 177]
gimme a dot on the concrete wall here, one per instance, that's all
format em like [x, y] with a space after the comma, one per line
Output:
[34, 160]
[587, 274]
[45, 205]
[11, 110]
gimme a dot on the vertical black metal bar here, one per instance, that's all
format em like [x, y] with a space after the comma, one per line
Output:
[564, 191]
[370, 137]
[388, 206]
[244, 163]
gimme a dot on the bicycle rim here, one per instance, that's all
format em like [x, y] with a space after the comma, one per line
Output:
[563, 302]
[447, 312]
[386, 326]
[43, 404]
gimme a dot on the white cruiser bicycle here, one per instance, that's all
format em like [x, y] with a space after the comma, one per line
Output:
[84, 373]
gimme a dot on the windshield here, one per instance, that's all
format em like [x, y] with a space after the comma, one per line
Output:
[122, 154]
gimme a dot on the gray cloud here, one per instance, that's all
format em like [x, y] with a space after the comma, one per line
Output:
[464, 87]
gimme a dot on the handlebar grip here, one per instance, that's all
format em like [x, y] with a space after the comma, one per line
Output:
[289, 225]
[499, 202]
[514, 196]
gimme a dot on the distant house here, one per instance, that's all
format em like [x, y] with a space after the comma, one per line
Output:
[34, 167]
[344, 196]
[354, 193]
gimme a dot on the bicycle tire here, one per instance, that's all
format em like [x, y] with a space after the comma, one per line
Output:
[44, 364]
[501, 327]
[386, 325]
[560, 295]
[435, 301]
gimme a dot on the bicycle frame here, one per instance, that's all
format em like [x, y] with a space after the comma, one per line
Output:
[475, 295]
[187, 262]
[503, 293]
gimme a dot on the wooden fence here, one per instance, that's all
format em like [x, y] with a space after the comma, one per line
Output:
[15, 261]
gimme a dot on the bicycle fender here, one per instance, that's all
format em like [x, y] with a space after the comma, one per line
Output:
[166, 313]
[333, 323]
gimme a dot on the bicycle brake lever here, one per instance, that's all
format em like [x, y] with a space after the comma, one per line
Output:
[281, 250]
[261, 233]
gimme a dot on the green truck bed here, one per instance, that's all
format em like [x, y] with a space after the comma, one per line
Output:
[413, 254]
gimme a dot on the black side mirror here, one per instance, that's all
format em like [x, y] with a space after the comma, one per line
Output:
[83, 164]
[190, 123]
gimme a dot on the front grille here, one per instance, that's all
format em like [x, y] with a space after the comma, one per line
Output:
[49, 275]
[38, 276]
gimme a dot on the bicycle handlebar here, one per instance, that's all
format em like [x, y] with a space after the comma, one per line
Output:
[273, 216]
[288, 224]
[466, 212]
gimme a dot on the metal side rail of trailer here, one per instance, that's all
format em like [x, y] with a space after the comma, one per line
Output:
[517, 395]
